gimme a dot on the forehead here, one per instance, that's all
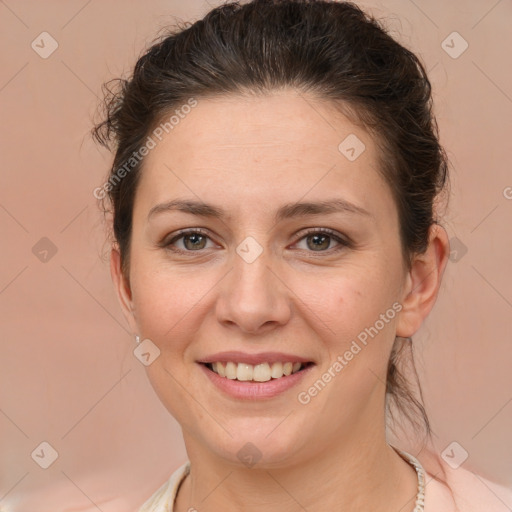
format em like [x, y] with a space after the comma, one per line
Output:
[281, 146]
[280, 120]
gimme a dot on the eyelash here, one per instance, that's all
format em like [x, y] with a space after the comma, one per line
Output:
[343, 243]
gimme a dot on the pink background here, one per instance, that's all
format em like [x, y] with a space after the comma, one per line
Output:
[67, 372]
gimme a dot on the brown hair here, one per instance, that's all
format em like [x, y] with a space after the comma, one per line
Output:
[330, 49]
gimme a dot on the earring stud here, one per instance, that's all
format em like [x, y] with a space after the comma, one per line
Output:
[137, 339]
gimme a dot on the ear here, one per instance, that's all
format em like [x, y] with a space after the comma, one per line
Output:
[122, 287]
[423, 282]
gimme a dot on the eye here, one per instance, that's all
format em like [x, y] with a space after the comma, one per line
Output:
[319, 240]
[193, 240]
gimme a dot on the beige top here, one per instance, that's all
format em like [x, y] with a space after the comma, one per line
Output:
[163, 499]
[472, 493]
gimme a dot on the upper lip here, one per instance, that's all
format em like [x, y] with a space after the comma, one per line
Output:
[253, 359]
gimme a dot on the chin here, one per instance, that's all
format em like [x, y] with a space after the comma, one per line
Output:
[263, 448]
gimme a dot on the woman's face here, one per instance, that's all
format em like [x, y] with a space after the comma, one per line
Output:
[254, 281]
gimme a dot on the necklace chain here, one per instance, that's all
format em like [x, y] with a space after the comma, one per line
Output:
[415, 463]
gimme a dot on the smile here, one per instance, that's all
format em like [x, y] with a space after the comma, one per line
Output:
[275, 378]
[262, 372]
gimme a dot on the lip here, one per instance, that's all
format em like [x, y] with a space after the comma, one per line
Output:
[262, 357]
[255, 390]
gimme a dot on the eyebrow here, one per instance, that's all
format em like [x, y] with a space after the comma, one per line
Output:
[287, 211]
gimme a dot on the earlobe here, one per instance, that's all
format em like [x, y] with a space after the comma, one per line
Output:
[423, 282]
[122, 288]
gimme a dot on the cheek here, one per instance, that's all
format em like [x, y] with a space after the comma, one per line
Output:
[343, 302]
[165, 306]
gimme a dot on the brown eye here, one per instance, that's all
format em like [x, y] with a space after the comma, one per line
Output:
[192, 240]
[322, 240]
[318, 241]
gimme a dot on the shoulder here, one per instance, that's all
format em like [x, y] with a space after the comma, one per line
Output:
[461, 490]
[163, 499]
[475, 493]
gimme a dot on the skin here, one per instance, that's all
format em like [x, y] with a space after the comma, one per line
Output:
[250, 155]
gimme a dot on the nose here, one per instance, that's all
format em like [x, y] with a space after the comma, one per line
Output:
[254, 297]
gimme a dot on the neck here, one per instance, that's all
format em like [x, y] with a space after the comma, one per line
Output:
[351, 476]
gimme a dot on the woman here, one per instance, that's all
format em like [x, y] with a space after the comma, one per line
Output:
[277, 244]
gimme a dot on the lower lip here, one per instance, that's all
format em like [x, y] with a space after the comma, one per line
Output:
[255, 390]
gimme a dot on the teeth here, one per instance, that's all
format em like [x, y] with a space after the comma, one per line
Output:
[219, 368]
[244, 371]
[277, 370]
[259, 373]
[230, 370]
